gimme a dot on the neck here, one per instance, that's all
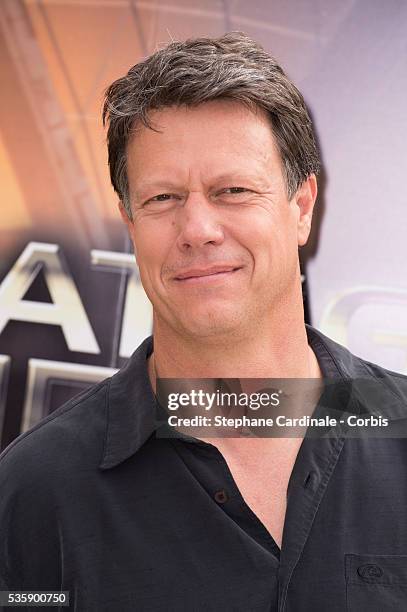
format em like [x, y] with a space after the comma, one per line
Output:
[276, 349]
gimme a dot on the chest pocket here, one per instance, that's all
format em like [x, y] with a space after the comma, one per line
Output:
[376, 583]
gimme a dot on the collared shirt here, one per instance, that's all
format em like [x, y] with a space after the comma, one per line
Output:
[95, 503]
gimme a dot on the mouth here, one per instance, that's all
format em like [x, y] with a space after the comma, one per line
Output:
[205, 277]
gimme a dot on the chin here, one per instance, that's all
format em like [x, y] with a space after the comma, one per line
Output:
[207, 326]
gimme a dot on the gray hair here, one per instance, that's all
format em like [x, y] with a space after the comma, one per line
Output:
[199, 70]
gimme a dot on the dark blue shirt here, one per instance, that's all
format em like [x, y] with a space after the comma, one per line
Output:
[93, 502]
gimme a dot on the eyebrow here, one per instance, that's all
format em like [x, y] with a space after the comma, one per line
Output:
[237, 176]
[159, 184]
[170, 184]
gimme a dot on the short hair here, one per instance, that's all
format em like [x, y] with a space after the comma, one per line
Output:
[200, 70]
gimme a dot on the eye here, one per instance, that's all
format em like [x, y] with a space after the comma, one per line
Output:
[234, 195]
[235, 190]
[160, 199]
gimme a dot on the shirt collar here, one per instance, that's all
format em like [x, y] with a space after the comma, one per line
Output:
[131, 403]
[131, 408]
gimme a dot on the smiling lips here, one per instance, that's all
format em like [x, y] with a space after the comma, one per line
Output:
[206, 274]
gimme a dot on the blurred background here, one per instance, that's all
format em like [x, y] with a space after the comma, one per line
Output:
[71, 305]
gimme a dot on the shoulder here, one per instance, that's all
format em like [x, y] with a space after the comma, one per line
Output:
[375, 376]
[37, 470]
[377, 387]
[384, 390]
[69, 435]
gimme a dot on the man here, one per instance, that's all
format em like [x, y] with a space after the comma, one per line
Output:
[212, 154]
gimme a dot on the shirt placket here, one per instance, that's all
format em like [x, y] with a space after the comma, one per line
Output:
[312, 471]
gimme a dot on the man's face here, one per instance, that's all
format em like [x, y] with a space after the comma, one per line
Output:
[215, 237]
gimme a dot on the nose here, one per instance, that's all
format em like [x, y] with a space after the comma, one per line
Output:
[199, 223]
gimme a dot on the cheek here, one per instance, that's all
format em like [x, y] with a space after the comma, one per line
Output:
[271, 242]
[151, 247]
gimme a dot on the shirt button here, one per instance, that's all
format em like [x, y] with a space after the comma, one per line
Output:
[369, 571]
[311, 481]
[221, 496]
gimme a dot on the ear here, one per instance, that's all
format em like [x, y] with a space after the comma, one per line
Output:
[305, 200]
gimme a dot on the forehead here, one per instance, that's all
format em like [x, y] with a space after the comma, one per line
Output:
[217, 132]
